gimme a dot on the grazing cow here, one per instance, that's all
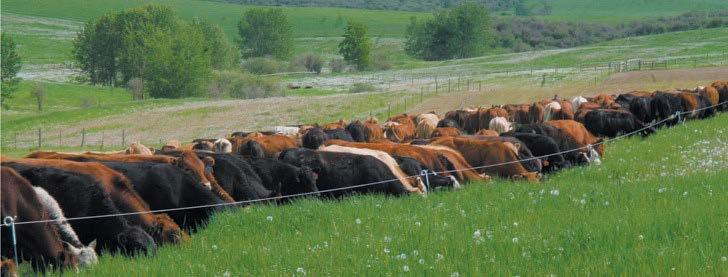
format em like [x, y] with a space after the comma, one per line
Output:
[400, 128]
[339, 174]
[286, 130]
[459, 117]
[270, 145]
[316, 137]
[486, 115]
[446, 132]
[237, 176]
[447, 122]
[357, 132]
[665, 105]
[709, 92]
[284, 179]
[524, 154]
[164, 186]
[578, 132]
[487, 133]
[455, 163]
[425, 128]
[585, 108]
[186, 160]
[499, 125]
[372, 130]
[122, 193]
[203, 144]
[722, 88]
[413, 183]
[536, 113]
[138, 148]
[341, 124]
[690, 103]
[540, 146]
[8, 268]
[519, 113]
[551, 110]
[491, 157]
[172, 144]
[80, 195]
[86, 254]
[604, 100]
[222, 145]
[612, 123]
[412, 167]
[40, 242]
[641, 107]
[577, 101]
[575, 153]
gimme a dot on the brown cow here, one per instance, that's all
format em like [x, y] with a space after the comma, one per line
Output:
[690, 103]
[585, 108]
[122, 193]
[711, 93]
[579, 133]
[372, 130]
[186, 160]
[487, 133]
[400, 128]
[428, 157]
[518, 113]
[39, 242]
[536, 113]
[341, 124]
[722, 88]
[486, 153]
[446, 132]
[486, 115]
[8, 268]
[270, 146]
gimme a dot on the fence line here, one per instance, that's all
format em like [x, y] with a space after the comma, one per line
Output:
[604, 141]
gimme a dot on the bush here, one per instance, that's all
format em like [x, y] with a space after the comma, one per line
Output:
[244, 86]
[263, 66]
[337, 65]
[356, 47]
[380, 61]
[39, 92]
[310, 62]
[361, 87]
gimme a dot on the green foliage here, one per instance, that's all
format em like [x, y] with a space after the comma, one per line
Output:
[39, 92]
[337, 65]
[520, 8]
[244, 86]
[170, 56]
[223, 53]
[262, 65]
[461, 32]
[10, 66]
[310, 62]
[361, 87]
[10, 59]
[265, 32]
[356, 46]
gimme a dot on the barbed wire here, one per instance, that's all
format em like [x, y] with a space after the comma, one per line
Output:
[252, 201]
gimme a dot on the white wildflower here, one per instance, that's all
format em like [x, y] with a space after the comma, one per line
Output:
[641, 237]
[455, 274]
[405, 268]
[387, 239]
[515, 240]
[402, 256]
[439, 257]
[582, 201]
[269, 218]
[358, 221]
[724, 259]
[386, 250]
[301, 270]
[418, 224]
[476, 234]
[554, 192]
[226, 273]
[421, 261]
[661, 190]
[515, 224]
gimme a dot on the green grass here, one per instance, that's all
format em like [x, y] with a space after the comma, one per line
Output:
[620, 10]
[657, 206]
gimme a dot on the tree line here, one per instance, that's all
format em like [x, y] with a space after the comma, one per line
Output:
[400, 5]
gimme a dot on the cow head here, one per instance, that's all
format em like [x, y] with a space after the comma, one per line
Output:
[190, 163]
[86, 254]
[67, 257]
[314, 138]
[167, 231]
[134, 240]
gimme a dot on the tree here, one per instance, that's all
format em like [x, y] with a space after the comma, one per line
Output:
[38, 91]
[356, 46]
[223, 53]
[520, 8]
[265, 32]
[461, 32]
[10, 66]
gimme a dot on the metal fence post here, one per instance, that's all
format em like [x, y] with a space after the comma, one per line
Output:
[427, 179]
[10, 221]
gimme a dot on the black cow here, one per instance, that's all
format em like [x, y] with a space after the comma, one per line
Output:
[285, 179]
[252, 149]
[413, 167]
[565, 141]
[665, 105]
[356, 129]
[542, 145]
[641, 107]
[79, 196]
[315, 137]
[341, 170]
[448, 122]
[611, 123]
[236, 176]
[706, 109]
[165, 186]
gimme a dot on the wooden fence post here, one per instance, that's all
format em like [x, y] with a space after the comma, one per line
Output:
[40, 139]
[83, 137]
[102, 141]
[123, 137]
[60, 144]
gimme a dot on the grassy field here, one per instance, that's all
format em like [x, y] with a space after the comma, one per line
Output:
[621, 10]
[656, 206]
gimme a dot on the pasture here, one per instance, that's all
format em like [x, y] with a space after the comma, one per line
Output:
[656, 206]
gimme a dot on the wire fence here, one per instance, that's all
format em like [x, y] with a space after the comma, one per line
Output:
[677, 115]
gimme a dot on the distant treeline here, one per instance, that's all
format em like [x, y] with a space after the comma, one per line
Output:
[400, 5]
[520, 34]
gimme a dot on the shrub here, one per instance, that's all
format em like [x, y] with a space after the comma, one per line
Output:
[337, 65]
[244, 86]
[361, 87]
[263, 66]
[310, 62]
[380, 61]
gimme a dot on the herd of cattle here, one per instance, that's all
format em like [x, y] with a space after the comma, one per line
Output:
[57, 198]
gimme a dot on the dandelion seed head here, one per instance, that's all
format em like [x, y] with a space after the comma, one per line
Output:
[269, 218]
[515, 240]
[661, 190]
[357, 221]
[421, 261]
[582, 201]
[418, 224]
[214, 247]
[724, 259]
[301, 270]
[515, 224]
[387, 239]
[226, 273]
[554, 192]
[405, 268]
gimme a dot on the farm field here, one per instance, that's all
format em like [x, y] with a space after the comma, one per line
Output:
[655, 206]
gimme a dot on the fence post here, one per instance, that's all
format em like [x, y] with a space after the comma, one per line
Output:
[10, 221]
[435, 85]
[40, 139]
[102, 141]
[15, 143]
[421, 88]
[60, 144]
[123, 137]
[389, 109]
[83, 137]
[405, 105]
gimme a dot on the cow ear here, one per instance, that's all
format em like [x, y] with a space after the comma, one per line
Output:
[177, 161]
[209, 161]
[92, 245]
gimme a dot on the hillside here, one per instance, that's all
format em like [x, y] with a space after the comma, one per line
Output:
[656, 206]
